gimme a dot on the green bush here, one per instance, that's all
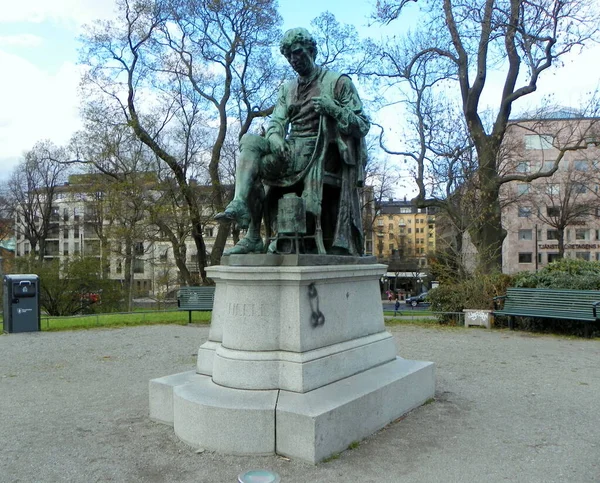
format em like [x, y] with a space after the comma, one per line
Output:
[568, 273]
[476, 292]
[74, 286]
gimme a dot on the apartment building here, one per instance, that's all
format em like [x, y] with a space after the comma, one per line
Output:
[548, 212]
[78, 227]
[404, 233]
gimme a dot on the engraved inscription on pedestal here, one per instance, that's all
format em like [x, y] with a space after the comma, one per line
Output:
[238, 309]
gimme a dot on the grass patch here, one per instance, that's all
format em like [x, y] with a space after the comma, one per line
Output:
[121, 320]
[331, 458]
[408, 313]
[416, 320]
[354, 445]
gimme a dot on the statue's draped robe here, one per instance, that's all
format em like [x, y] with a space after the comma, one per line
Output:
[310, 135]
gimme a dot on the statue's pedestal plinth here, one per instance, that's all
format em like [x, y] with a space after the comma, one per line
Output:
[298, 362]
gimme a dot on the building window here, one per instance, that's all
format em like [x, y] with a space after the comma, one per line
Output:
[402, 230]
[138, 265]
[380, 222]
[523, 167]
[579, 188]
[524, 211]
[538, 141]
[410, 230]
[582, 234]
[525, 257]
[525, 234]
[583, 256]
[553, 211]
[581, 165]
[209, 231]
[553, 189]
[65, 233]
[523, 189]
[163, 256]
[76, 248]
[65, 249]
[553, 257]
[390, 217]
[119, 268]
[547, 166]
[552, 235]
[138, 248]
[391, 227]
[391, 236]
[405, 210]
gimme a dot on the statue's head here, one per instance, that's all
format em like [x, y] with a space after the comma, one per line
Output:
[298, 36]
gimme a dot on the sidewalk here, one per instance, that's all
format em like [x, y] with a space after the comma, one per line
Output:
[509, 406]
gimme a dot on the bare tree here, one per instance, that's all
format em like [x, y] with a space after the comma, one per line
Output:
[464, 41]
[208, 59]
[32, 189]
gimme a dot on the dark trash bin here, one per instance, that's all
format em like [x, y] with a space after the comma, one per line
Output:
[21, 303]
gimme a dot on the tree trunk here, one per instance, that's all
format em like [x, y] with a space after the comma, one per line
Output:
[486, 230]
[561, 243]
[128, 273]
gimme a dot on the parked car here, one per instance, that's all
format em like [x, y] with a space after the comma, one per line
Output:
[416, 299]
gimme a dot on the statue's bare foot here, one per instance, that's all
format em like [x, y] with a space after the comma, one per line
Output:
[246, 245]
[235, 211]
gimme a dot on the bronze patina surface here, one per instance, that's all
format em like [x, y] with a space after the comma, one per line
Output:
[313, 147]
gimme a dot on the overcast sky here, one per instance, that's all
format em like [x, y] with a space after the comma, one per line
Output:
[40, 76]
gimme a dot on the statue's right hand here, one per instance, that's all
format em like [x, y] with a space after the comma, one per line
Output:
[277, 144]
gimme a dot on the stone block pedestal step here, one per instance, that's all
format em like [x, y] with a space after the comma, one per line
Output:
[310, 426]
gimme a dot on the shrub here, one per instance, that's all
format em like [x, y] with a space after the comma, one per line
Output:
[476, 292]
[567, 273]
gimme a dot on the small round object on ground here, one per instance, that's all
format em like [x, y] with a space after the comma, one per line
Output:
[259, 476]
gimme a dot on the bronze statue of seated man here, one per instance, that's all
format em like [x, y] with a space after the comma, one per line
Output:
[318, 110]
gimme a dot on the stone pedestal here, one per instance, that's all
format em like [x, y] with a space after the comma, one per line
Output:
[298, 362]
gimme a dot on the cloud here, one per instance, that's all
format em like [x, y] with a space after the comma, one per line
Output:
[36, 105]
[70, 11]
[21, 40]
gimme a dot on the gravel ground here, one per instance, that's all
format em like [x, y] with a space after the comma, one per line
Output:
[509, 407]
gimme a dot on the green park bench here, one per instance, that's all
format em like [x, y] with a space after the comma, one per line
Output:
[195, 298]
[547, 303]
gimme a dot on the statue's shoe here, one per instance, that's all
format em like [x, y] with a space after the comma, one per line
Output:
[235, 211]
[246, 245]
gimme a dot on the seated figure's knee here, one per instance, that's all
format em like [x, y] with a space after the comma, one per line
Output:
[252, 143]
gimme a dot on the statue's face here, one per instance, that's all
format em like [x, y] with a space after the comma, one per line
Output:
[301, 60]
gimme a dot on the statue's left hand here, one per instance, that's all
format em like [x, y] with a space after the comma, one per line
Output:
[325, 105]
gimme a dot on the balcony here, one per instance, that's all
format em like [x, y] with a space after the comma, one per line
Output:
[51, 250]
